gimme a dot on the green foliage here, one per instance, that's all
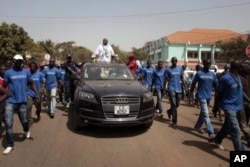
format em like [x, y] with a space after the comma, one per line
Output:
[122, 55]
[59, 51]
[81, 54]
[14, 40]
[140, 54]
[48, 47]
[235, 48]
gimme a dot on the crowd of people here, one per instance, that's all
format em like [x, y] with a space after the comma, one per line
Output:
[231, 90]
[24, 85]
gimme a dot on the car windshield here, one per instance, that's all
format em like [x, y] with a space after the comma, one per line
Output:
[106, 72]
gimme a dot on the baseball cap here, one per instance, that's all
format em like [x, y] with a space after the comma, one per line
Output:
[18, 57]
[131, 55]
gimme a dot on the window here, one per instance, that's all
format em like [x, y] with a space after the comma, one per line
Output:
[152, 57]
[159, 56]
[205, 55]
[192, 55]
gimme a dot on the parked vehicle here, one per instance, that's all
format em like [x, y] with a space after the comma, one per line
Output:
[215, 68]
[110, 95]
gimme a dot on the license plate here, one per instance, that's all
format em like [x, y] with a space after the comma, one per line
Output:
[121, 110]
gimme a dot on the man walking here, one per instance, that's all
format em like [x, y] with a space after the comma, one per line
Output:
[206, 80]
[69, 87]
[230, 99]
[174, 76]
[17, 78]
[52, 78]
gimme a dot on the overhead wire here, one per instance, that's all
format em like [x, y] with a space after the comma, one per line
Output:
[129, 15]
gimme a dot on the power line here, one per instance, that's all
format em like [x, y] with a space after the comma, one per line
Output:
[132, 15]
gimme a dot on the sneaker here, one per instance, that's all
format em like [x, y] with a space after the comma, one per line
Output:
[38, 115]
[27, 134]
[211, 138]
[68, 104]
[220, 146]
[52, 115]
[8, 150]
[157, 111]
[174, 124]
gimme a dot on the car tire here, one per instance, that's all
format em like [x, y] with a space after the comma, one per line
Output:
[74, 122]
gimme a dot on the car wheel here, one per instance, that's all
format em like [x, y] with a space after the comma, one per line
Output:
[74, 122]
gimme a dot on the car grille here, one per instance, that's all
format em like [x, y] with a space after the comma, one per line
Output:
[108, 104]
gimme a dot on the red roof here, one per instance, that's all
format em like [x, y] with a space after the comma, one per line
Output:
[201, 36]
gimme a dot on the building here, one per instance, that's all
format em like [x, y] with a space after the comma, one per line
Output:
[190, 47]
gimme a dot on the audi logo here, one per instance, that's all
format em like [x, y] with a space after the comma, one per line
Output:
[122, 100]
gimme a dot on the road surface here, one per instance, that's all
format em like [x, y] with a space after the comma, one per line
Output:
[54, 144]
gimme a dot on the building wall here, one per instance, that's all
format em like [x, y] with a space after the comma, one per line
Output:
[161, 50]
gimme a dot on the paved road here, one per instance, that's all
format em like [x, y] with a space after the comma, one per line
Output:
[54, 144]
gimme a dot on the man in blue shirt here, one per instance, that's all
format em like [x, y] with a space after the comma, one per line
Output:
[230, 99]
[174, 76]
[206, 80]
[53, 81]
[38, 79]
[61, 91]
[17, 78]
[147, 75]
[159, 85]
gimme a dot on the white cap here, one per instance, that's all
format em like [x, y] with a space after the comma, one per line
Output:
[18, 57]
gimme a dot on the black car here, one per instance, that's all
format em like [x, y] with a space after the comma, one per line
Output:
[110, 95]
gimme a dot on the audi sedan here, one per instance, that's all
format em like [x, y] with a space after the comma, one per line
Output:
[110, 95]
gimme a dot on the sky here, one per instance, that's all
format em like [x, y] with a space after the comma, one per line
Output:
[125, 23]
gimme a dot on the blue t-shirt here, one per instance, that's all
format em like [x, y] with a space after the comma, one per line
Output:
[159, 78]
[51, 76]
[205, 80]
[38, 79]
[174, 75]
[62, 74]
[17, 83]
[147, 73]
[232, 92]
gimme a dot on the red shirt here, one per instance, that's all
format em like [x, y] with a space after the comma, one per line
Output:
[132, 66]
[1, 81]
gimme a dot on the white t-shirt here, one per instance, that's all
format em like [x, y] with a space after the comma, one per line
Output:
[104, 53]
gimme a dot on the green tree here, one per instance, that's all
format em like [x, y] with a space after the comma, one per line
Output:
[235, 48]
[81, 54]
[48, 47]
[140, 54]
[122, 55]
[15, 40]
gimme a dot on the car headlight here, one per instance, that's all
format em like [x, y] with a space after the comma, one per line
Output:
[147, 97]
[86, 96]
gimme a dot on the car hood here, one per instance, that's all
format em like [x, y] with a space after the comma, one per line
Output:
[112, 87]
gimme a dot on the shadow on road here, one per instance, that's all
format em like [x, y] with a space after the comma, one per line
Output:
[18, 137]
[109, 132]
[206, 147]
